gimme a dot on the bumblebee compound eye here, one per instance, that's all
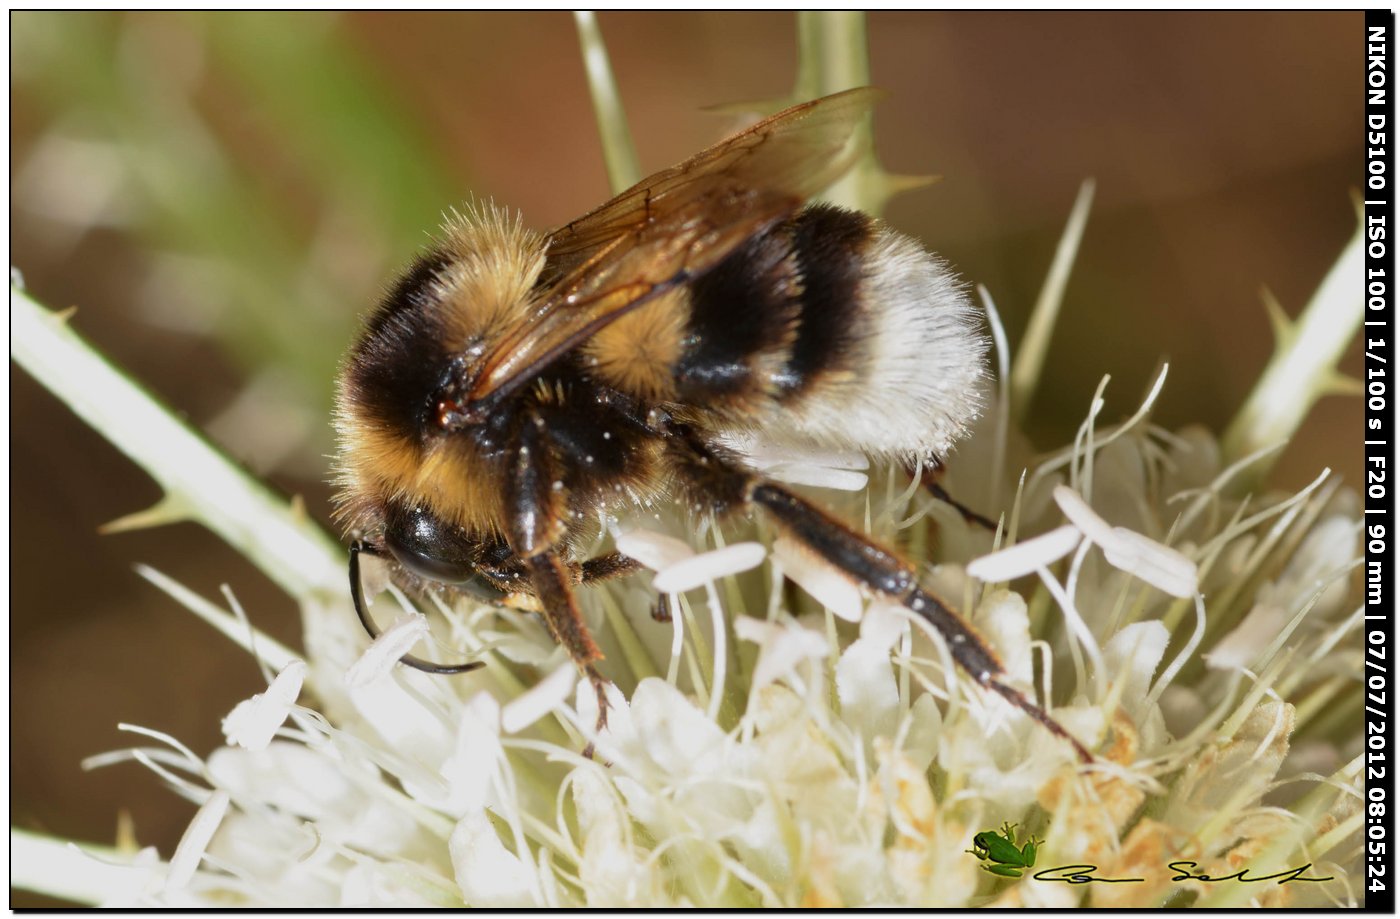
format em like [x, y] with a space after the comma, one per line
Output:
[434, 551]
[357, 596]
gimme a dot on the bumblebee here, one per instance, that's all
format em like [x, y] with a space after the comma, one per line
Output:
[513, 386]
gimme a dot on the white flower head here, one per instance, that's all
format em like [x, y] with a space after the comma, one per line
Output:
[816, 745]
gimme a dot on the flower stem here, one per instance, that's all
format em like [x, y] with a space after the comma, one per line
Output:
[200, 483]
[59, 868]
[618, 151]
[833, 55]
[1030, 357]
[1303, 368]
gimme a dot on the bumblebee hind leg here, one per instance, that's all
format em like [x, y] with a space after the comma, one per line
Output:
[930, 475]
[715, 478]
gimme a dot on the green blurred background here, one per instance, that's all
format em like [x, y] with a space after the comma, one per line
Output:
[223, 195]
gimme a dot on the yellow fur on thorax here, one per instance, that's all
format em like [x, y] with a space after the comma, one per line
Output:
[637, 353]
[495, 262]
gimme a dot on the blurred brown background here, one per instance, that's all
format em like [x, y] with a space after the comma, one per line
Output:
[221, 195]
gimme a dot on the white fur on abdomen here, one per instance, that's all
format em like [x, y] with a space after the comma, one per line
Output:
[919, 361]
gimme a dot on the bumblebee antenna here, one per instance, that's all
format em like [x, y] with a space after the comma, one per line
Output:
[357, 594]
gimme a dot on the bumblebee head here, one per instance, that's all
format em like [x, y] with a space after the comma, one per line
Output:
[430, 552]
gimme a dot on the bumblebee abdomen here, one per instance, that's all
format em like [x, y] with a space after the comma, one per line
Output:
[832, 328]
[826, 328]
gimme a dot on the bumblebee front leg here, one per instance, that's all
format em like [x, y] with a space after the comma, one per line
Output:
[550, 578]
[537, 508]
[714, 475]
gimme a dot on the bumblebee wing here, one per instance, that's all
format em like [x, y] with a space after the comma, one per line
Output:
[674, 226]
[795, 153]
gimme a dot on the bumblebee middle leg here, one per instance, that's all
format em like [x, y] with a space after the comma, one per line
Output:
[606, 567]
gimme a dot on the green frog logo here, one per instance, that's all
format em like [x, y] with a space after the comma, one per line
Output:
[1000, 852]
